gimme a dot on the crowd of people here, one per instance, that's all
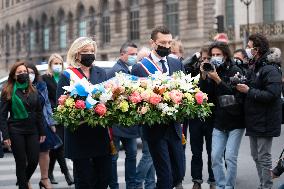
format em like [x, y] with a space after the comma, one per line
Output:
[245, 87]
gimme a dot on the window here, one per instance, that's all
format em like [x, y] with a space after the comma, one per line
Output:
[118, 25]
[12, 37]
[172, 17]
[18, 37]
[32, 40]
[46, 39]
[70, 26]
[52, 29]
[82, 28]
[7, 3]
[105, 23]
[92, 21]
[62, 36]
[268, 11]
[150, 14]
[7, 38]
[230, 20]
[134, 20]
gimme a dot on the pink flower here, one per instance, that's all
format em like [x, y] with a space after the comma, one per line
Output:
[145, 96]
[135, 97]
[80, 104]
[62, 99]
[142, 110]
[100, 109]
[199, 97]
[176, 96]
[155, 99]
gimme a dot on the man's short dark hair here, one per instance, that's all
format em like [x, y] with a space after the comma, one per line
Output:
[159, 29]
[242, 51]
[224, 47]
[123, 48]
[260, 42]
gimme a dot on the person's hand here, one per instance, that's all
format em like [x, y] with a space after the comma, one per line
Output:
[42, 139]
[214, 76]
[7, 142]
[243, 88]
[53, 128]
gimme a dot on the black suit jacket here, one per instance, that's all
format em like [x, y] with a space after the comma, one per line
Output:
[85, 142]
[159, 131]
[51, 87]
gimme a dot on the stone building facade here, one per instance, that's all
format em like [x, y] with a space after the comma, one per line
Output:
[33, 29]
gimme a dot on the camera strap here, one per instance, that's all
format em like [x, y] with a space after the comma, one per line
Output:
[281, 153]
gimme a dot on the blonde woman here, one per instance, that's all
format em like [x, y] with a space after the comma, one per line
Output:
[89, 148]
[51, 78]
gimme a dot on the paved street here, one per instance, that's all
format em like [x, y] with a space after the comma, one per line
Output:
[246, 179]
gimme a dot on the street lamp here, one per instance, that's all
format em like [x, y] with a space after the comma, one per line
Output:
[247, 3]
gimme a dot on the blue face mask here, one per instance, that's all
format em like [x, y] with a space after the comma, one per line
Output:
[217, 61]
[132, 59]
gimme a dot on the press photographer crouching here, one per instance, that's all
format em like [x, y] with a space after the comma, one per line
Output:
[262, 106]
[229, 116]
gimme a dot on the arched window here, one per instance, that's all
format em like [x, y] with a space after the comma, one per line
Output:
[118, 25]
[7, 40]
[134, 20]
[52, 28]
[31, 33]
[12, 37]
[230, 19]
[172, 16]
[268, 11]
[18, 37]
[70, 26]
[37, 32]
[62, 29]
[150, 14]
[105, 22]
[92, 21]
[82, 23]
[45, 33]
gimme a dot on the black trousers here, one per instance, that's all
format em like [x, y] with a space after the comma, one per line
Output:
[26, 153]
[92, 173]
[58, 154]
[200, 130]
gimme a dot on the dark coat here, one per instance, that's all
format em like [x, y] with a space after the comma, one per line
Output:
[85, 142]
[31, 125]
[51, 87]
[263, 100]
[230, 117]
[129, 132]
[159, 131]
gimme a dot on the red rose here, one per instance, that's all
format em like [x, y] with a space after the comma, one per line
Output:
[62, 99]
[199, 97]
[80, 104]
[100, 109]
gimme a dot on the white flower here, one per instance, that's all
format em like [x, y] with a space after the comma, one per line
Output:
[105, 97]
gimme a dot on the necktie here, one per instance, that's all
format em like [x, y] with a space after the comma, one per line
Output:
[164, 68]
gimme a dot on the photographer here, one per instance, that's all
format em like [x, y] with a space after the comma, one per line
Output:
[229, 119]
[241, 60]
[262, 106]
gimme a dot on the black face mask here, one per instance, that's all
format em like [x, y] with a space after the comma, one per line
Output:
[22, 78]
[163, 51]
[87, 59]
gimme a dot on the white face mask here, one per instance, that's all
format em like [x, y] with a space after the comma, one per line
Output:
[248, 51]
[32, 77]
[57, 68]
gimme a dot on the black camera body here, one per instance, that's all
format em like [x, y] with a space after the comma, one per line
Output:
[208, 67]
[279, 169]
[239, 79]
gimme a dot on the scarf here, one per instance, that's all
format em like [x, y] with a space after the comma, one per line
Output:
[18, 108]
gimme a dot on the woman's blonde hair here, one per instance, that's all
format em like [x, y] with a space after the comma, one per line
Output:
[50, 60]
[76, 46]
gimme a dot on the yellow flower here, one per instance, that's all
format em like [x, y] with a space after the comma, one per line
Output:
[197, 90]
[70, 102]
[124, 106]
[167, 96]
[60, 107]
[188, 96]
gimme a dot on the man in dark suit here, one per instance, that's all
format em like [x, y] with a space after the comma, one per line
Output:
[164, 141]
[128, 57]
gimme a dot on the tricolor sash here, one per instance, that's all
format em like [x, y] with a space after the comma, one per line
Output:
[149, 66]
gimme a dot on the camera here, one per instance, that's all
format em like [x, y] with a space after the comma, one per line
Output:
[191, 64]
[279, 169]
[239, 79]
[208, 67]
